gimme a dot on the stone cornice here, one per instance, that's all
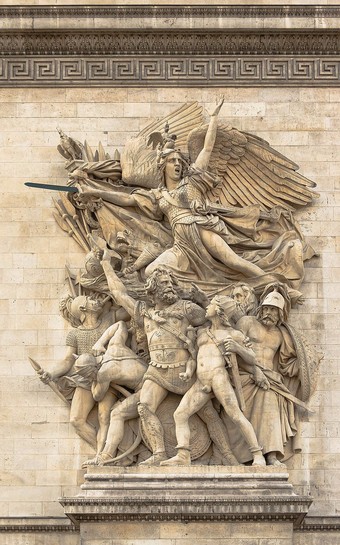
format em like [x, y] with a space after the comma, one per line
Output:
[112, 46]
[36, 524]
[20, 525]
[178, 42]
[160, 508]
[137, 11]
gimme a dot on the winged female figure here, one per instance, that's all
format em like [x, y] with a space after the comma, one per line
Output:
[226, 211]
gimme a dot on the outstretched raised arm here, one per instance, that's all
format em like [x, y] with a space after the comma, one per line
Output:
[116, 286]
[115, 197]
[203, 158]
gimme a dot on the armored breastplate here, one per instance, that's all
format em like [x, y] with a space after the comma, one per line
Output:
[176, 204]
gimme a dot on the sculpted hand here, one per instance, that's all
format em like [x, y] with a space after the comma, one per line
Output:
[260, 379]
[128, 270]
[230, 346]
[198, 296]
[185, 376]
[247, 342]
[84, 191]
[98, 349]
[44, 376]
[219, 106]
[106, 255]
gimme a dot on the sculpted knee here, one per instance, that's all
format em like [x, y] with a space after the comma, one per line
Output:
[77, 422]
[115, 414]
[104, 417]
[180, 415]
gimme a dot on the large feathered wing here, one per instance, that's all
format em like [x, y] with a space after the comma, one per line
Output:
[252, 171]
[139, 157]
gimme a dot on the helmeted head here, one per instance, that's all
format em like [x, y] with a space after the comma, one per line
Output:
[74, 309]
[271, 310]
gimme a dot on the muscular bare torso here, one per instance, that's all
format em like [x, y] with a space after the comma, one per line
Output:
[265, 340]
[210, 356]
[167, 329]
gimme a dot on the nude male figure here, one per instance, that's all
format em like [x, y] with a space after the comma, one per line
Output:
[213, 379]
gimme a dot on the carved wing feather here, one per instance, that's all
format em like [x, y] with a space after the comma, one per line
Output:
[139, 160]
[252, 171]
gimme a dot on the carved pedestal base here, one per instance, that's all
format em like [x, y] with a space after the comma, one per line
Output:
[170, 506]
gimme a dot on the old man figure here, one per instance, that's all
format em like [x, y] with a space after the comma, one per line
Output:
[286, 371]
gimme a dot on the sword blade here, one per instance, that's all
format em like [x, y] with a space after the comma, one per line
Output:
[67, 188]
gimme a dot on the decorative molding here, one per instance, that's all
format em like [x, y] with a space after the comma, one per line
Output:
[135, 11]
[35, 525]
[206, 493]
[226, 71]
[320, 524]
[179, 42]
[21, 525]
[153, 508]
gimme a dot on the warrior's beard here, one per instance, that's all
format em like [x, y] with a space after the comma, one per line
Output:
[167, 296]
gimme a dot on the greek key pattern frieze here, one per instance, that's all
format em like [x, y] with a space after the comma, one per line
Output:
[201, 70]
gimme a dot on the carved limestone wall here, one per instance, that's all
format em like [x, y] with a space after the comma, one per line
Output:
[41, 454]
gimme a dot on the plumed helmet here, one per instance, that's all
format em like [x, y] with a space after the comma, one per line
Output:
[274, 299]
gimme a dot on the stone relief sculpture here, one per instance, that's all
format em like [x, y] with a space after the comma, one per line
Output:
[285, 377]
[184, 232]
[214, 343]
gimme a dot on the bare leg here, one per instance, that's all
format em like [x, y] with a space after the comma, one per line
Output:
[104, 409]
[191, 402]
[227, 397]
[219, 249]
[217, 433]
[126, 410]
[82, 403]
[151, 396]
[169, 258]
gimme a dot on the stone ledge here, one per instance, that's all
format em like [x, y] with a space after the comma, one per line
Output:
[187, 494]
[165, 16]
[320, 524]
[36, 525]
[170, 42]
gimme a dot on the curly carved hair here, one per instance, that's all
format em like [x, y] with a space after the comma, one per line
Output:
[151, 283]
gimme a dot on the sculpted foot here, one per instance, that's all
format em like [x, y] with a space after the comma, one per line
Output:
[91, 462]
[273, 461]
[97, 460]
[258, 458]
[154, 460]
[182, 458]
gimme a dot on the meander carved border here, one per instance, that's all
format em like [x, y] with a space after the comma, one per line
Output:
[200, 71]
[135, 11]
[179, 42]
[174, 48]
